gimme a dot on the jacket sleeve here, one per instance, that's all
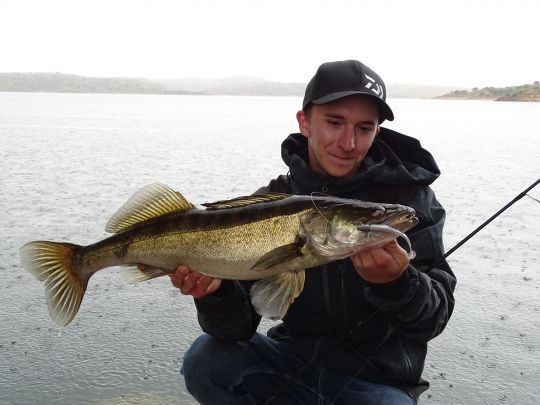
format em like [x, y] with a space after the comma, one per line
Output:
[421, 301]
[228, 313]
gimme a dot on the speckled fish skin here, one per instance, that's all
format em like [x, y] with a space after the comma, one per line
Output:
[226, 243]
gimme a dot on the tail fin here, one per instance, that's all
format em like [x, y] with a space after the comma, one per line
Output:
[52, 263]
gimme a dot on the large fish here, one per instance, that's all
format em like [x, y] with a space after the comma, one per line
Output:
[270, 237]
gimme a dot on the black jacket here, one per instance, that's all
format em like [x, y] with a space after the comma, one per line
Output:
[399, 317]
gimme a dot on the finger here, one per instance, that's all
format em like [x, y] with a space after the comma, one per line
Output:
[363, 263]
[214, 285]
[181, 270]
[206, 285]
[367, 260]
[398, 254]
[376, 265]
[189, 282]
[177, 278]
[202, 284]
[357, 262]
[380, 259]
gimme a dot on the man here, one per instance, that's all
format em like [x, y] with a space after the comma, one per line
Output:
[399, 305]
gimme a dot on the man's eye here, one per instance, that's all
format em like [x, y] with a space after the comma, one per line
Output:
[333, 123]
[365, 129]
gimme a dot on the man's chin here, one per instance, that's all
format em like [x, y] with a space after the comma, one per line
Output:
[343, 174]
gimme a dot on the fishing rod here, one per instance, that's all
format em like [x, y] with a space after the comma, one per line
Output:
[486, 222]
[283, 387]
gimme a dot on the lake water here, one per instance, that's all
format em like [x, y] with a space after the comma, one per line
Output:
[68, 161]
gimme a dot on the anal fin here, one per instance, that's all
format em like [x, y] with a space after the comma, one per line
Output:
[140, 273]
[271, 297]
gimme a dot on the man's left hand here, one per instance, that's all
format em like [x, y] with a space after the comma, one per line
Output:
[381, 265]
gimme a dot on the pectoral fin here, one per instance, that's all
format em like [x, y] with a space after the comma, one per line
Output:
[280, 255]
[271, 297]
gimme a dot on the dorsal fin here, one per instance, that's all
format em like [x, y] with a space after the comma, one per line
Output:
[244, 201]
[149, 202]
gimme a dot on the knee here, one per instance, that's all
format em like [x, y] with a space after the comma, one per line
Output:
[197, 356]
[201, 362]
[204, 358]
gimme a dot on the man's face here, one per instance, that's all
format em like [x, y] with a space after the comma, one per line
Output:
[339, 135]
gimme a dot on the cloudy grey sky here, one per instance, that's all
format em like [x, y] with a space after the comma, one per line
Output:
[446, 42]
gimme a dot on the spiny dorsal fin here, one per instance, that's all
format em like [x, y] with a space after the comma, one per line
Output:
[244, 201]
[149, 202]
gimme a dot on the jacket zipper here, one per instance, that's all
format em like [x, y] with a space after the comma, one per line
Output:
[407, 361]
[326, 291]
[341, 272]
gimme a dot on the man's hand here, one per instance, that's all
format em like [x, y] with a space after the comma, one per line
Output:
[192, 283]
[381, 265]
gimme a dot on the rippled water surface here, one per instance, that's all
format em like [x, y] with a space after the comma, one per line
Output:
[68, 161]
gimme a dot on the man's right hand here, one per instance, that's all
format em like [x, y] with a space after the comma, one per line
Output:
[192, 283]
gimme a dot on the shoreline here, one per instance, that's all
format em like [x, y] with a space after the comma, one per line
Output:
[533, 99]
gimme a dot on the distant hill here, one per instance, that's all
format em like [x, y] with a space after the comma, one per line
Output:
[65, 83]
[234, 85]
[526, 92]
[396, 90]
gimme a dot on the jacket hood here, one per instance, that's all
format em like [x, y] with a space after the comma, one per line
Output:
[393, 159]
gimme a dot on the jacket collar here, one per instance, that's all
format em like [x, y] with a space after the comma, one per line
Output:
[393, 158]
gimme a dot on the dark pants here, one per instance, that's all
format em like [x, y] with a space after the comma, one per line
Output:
[220, 372]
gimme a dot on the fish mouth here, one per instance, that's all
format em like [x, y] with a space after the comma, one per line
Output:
[401, 217]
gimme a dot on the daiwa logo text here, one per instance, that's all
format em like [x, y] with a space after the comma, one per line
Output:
[374, 86]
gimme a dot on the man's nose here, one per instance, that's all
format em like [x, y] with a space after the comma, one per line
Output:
[346, 140]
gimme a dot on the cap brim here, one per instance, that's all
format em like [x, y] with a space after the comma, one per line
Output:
[386, 111]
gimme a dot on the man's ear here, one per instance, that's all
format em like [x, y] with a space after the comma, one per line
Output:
[378, 130]
[303, 123]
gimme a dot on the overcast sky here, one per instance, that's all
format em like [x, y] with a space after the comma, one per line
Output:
[445, 42]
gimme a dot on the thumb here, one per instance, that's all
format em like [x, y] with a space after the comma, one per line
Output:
[400, 256]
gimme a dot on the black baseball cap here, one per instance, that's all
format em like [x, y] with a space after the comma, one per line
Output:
[335, 80]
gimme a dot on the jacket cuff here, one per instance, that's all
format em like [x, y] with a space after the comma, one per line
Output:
[219, 300]
[396, 289]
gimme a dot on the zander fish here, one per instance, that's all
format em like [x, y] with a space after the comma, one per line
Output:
[271, 238]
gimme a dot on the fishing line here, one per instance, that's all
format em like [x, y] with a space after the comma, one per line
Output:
[317, 208]
[316, 359]
[532, 198]
[373, 352]
[486, 222]
[329, 228]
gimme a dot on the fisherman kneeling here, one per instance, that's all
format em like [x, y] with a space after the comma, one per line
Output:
[392, 304]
